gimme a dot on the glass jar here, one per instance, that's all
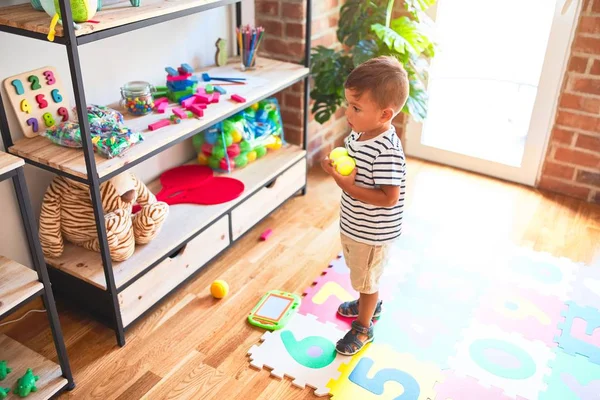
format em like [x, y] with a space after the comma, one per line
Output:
[137, 98]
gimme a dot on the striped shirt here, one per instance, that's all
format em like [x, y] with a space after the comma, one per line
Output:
[379, 161]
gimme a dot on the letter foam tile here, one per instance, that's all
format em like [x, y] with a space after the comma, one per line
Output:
[572, 378]
[586, 289]
[378, 372]
[524, 311]
[304, 350]
[503, 360]
[457, 388]
[580, 332]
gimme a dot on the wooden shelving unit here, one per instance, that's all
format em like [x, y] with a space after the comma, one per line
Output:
[270, 77]
[121, 293]
[20, 358]
[19, 285]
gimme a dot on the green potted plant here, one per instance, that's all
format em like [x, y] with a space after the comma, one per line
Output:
[366, 30]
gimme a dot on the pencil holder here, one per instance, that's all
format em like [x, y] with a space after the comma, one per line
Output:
[249, 40]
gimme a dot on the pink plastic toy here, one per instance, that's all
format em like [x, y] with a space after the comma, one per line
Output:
[180, 113]
[188, 102]
[265, 235]
[203, 98]
[196, 109]
[159, 124]
[238, 98]
[161, 100]
[215, 97]
[162, 107]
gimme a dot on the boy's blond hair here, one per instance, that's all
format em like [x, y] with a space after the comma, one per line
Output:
[385, 78]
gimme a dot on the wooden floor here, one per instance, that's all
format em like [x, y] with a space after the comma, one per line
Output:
[194, 347]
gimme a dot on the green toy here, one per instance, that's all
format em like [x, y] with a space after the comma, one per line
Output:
[26, 384]
[221, 55]
[274, 310]
[4, 370]
[4, 392]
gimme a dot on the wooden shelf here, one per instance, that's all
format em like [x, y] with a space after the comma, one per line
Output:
[183, 221]
[270, 77]
[24, 17]
[20, 358]
[9, 162]
[17, 284]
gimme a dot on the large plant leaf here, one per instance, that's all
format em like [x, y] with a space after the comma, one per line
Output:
[364, 51]
[329, 70]
[324, 106]
[356, 18]
[417, 8]
[416, 104]
[404, 36]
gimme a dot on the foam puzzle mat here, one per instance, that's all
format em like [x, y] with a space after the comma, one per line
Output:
[487, 322]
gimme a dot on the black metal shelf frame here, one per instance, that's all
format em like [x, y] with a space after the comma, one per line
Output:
[35, 250]
[71, 43]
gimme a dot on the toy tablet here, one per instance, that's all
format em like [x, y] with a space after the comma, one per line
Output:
[274, 310]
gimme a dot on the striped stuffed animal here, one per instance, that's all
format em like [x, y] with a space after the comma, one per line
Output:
[67, 213]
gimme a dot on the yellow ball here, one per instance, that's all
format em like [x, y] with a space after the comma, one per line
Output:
[337, 153]
[344, 165]
[202, 159]
[251, 156]
[276, 145]
[236, 136]
[219, 289]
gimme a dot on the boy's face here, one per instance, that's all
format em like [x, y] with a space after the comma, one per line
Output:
[363, 113]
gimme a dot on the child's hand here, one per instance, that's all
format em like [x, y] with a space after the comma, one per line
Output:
[327, 165]
[342, 180]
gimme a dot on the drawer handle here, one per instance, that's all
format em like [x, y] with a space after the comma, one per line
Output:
[178, 251]
[272, 183]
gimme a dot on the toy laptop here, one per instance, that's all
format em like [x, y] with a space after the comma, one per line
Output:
[274, 310]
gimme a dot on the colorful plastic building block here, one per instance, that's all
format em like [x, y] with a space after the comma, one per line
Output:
[179, 112]
[196, 109]
[161, 108]
[26, 384]
[215, 97]
[220, 90]
[4, 392]
[203, 98]
[159, 124]
[238, 98]
[188, 102]
[187, 68]
[160, 100]
[4, 370]
[209, 88]
[265, 235]
[171, 71]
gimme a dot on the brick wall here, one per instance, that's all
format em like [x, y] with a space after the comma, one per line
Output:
[284, 21]
[572, 164]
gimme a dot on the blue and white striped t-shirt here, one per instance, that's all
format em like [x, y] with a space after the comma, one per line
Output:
[379, 161]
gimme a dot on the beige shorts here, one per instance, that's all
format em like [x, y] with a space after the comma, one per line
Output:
[366, 263]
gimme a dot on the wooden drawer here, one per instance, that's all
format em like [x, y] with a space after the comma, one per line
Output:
[247, 214]
[163, 278]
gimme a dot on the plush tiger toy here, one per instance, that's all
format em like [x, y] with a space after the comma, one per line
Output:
[67, 213]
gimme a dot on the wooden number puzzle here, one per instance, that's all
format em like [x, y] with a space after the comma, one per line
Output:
[37, 100]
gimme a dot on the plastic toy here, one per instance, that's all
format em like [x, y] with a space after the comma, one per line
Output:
[207, 78]
[26, 384]
[219, 289]
[180, 84]
[81, 10]
[274, 310]
[344, 165]
[221, 55]
[237, 98]
[159, 124]
[36, 4]
[242, 138]
[67, 214]
[265, 235]
[4, 370]
[4, 392]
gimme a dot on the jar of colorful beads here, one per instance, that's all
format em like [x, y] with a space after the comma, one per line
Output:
[136, 97]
